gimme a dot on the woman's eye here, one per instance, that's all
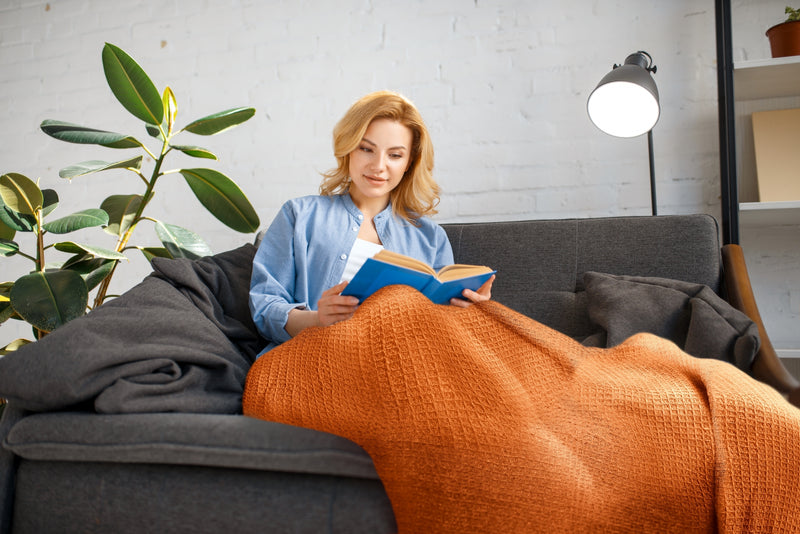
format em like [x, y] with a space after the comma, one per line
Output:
[365, 149]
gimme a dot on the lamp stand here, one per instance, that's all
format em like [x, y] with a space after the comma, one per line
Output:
[652, 172]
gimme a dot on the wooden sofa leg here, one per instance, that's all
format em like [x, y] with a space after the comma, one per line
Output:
[767, 366]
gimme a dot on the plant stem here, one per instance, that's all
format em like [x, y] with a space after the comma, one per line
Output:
[123, 240]
[39, 241]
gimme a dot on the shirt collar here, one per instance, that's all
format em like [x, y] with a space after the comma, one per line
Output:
[355, 212]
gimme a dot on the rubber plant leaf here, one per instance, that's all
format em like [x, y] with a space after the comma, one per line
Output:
[8, 247]
[154, 131]
[180, 242]
[20, 193]
[6, 231]
[223, 198]
[77, 248]
[83, 135]
[121, 211]
[219, 122]
[14, 345]
[88, 218]
[50, 201]
[93, 270]
[49, 299]
[89, 167]
[154, 252]
[131, 85]
[16, 221]
[195, 151]
[170, 108]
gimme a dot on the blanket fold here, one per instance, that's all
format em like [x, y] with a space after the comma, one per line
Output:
[483, 420]
[182, 340]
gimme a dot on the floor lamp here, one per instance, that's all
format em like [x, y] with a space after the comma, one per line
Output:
[625, 104]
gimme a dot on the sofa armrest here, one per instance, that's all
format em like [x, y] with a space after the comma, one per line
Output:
[767, 367]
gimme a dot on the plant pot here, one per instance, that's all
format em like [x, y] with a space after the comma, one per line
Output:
[784, 39]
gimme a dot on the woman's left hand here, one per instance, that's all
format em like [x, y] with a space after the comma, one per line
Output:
[483, 293]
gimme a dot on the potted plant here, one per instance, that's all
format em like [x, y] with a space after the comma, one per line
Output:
[56, 292]
[784, 38]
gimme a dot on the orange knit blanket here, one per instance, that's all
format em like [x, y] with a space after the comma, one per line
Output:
[482, 420]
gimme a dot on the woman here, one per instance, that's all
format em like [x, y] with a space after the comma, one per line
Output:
[379, 196]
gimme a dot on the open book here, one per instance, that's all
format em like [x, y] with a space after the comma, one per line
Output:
[388, 268]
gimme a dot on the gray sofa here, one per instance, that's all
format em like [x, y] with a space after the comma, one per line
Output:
[99, 439]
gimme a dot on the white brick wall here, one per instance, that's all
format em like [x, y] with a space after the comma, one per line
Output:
[502, 84]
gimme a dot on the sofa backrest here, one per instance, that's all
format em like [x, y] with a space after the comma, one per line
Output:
[540, 264]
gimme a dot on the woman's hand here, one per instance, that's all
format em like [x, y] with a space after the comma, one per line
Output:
[483, 293]
[332, 307]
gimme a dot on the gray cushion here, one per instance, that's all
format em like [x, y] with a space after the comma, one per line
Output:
[188, 439]
[690, 315]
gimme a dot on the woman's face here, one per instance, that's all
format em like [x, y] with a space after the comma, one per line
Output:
[379, 162]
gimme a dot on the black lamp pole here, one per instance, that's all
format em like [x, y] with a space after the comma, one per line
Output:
[652, 172]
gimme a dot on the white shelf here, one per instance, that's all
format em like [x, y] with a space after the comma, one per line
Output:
[767, 78]
[785, 213]
[788, 353]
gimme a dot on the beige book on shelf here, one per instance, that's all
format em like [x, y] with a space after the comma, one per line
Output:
[776, 135]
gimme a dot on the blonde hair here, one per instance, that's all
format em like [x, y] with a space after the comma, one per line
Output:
[417, 194]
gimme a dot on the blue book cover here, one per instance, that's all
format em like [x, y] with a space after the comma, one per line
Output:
[389, 268]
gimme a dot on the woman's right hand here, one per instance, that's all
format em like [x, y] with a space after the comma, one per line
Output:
[332, 307]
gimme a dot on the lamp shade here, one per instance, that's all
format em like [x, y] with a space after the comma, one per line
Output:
[625, 102]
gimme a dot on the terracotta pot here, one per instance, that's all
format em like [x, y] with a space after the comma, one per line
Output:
[784, 39]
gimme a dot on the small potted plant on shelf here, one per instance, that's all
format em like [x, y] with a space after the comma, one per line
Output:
[784, 38]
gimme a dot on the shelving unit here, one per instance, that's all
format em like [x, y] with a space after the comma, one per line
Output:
[767, 231]
[759, 86]
[760, 214]
[767, 78]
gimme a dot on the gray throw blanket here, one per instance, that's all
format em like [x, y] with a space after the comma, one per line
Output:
[180, 341]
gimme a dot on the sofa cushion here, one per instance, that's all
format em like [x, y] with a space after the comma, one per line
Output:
[186, 439]
[690, 315]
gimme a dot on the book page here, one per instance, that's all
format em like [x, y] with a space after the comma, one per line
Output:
[395, 258]
[456, 271]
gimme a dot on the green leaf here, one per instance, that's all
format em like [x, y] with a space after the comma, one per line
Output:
[131, 85]
[8, 247]
[195, 151]
[78, 220]
[6, 232]
[50, 201]
[16, 221]
[11, 347]
[93, 270]
[180, 242]
[121, 211]
[219, 122]
[77, 248]
[20, 193]
[170, 108]
[89, 167]
[154, 252]
[73, 133]
[47, 300]
[223, 198]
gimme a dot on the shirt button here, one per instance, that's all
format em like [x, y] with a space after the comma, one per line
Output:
[360, 217]
[355, 228]
[343, 257]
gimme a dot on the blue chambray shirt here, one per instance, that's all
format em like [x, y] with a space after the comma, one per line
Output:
[304, 252]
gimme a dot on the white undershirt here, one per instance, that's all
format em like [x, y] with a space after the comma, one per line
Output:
[361, 250]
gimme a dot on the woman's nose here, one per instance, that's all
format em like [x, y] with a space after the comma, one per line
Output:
[379, 162]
